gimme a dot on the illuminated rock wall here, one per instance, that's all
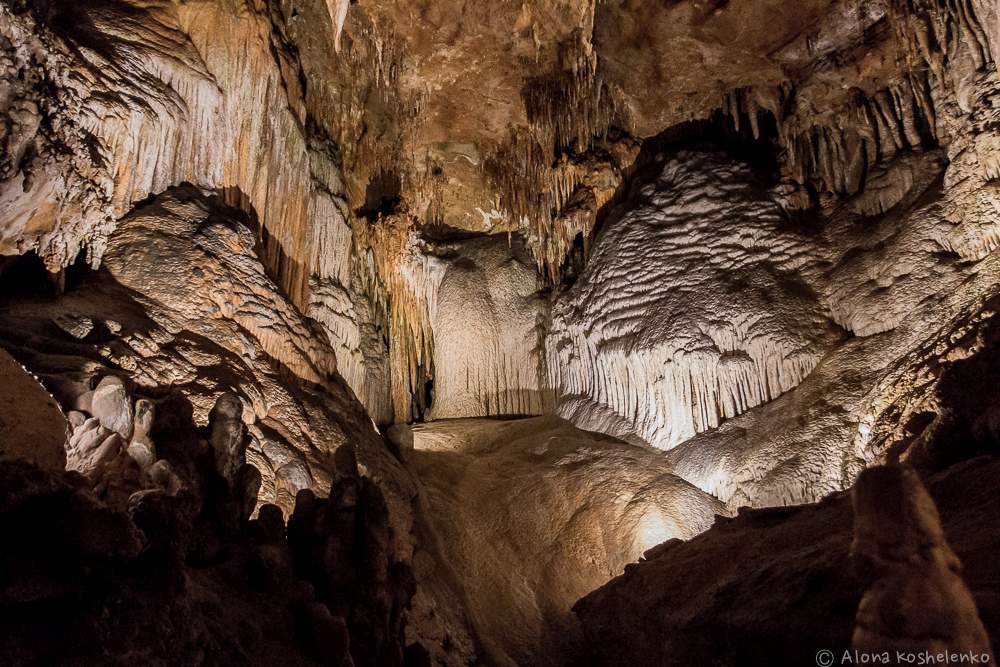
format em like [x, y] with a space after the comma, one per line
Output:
[488, 327]
[693, 309]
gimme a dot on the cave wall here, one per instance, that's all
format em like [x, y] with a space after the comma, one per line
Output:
[113, 103]
[488, 326]
[749, 234]
[183, 305]
[844, 93]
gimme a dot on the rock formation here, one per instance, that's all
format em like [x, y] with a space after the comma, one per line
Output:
[777, 586]
[917, 603]
[383, 332]
[571, 508]
[179, 576]
[33, 427]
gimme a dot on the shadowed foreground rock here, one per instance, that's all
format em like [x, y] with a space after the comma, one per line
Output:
[179, 576]
[917, 602]
[774, 586]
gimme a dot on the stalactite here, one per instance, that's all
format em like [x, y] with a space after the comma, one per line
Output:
[338, 13]
[537, 169]
[180, 98]
[372, 66]
[633, 352]
[833, 150]
[402, 280]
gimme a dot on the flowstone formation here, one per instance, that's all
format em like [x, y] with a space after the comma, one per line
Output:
[445, 332]
[488, 322]
[695, 306]
[184, 307]
[569, 507]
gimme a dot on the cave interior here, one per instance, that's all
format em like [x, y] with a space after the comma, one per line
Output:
[385, 333]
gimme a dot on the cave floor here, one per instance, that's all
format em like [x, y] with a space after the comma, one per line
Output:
[531, 514]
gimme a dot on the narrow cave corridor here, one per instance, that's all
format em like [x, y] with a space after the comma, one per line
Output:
[399, 333]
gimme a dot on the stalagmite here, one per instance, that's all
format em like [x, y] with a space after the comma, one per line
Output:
[917, 602]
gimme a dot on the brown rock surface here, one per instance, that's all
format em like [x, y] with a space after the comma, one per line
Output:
[776, 586]
[32, 426]
[518, 518]
[917, 603]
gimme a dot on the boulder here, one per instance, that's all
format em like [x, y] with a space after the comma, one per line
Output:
[112, 405]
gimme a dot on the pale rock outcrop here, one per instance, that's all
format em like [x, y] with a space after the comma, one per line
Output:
[488, 327]
[112, 406]
[113, 449]
[214, 258]
[195, 314]
[693, 308]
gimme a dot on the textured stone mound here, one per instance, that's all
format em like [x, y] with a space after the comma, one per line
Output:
[184, 306]
[693, 309]
[517, 519]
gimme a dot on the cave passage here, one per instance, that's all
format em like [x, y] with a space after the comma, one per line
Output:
[539, 333]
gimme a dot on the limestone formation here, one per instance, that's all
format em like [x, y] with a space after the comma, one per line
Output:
[231, 316]
[382, 331]
[666, 333]
[917, 602]
[111, 406]
[786, 575]
[488, 324]
[571, 508]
